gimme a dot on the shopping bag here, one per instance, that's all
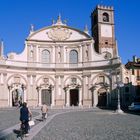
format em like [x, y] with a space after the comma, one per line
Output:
[31, 123]
[46, 116]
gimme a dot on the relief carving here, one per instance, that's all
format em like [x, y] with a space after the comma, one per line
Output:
[59, 33]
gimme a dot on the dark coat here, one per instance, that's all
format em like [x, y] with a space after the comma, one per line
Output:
[24, 114]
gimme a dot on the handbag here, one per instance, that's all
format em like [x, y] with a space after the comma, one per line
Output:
[46, 116]
[31, 123]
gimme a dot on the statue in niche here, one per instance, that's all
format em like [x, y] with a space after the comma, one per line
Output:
[86, 54]
[59, 57]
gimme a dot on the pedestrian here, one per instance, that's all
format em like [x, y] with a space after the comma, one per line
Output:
[44, 110]
[25, 116]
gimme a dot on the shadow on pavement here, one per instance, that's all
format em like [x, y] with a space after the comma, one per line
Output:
[40, 120]
[124, 109]
[133, 112]
[18, 133]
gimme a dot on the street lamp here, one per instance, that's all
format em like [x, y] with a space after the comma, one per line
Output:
[119, 85]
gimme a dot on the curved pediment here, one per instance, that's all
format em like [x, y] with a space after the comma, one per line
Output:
[58, 33]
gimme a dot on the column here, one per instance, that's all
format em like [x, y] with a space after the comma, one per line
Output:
[84, 88]
[5, 91]
[107, 104]
[56, 54]
[34, 87]
[53, 99]
[10, 96]
[39, 94]
[92, 97]
[28, 87]
[37, 88]
[25, 92]
[62, 86]
[80, 97]
[88, 91]
[95, 97]
[56, 89]
[89, 52]
[67, 98]
[67, 56]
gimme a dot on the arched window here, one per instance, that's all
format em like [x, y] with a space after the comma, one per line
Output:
[73, 56]
[45, 56]
[105, 17]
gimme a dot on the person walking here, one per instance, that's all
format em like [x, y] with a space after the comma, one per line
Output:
[44, 110]
[25, 116]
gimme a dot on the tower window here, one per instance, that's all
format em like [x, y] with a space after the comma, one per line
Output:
[106, 43]
[105, 17]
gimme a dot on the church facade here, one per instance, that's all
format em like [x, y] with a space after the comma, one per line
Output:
[64, 66]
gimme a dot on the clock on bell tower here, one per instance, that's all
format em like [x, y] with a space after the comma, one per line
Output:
[102, 29]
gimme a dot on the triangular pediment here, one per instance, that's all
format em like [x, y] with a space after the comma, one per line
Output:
[58, 33]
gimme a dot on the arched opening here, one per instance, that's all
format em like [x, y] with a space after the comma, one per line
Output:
[46, 96]
[17, 97]
[105, 17]
[102, 97]
[74, 97]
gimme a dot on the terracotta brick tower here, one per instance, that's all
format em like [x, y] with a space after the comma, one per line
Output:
[102, 29]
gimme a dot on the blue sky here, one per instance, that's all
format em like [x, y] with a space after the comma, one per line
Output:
[17, 15]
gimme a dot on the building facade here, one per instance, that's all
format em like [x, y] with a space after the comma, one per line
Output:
[63, 66]
[134, 67]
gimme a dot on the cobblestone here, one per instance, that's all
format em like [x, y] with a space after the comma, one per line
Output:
[76, 124]
[91, 125]
[10, 117]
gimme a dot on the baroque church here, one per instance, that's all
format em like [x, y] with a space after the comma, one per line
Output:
[64, 66]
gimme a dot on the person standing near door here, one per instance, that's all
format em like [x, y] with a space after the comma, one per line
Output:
[44, 110]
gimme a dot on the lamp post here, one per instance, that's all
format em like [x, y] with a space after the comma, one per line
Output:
[119, 84]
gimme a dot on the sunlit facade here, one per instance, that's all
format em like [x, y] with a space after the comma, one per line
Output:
[63, 66]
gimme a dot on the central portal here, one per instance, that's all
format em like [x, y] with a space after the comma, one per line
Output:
[46, 96]
[102, 99]
[74, 97]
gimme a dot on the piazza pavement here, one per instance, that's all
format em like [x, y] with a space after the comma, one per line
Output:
[73, 124]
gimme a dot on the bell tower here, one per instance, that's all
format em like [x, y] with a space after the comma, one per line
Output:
[102, 29]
